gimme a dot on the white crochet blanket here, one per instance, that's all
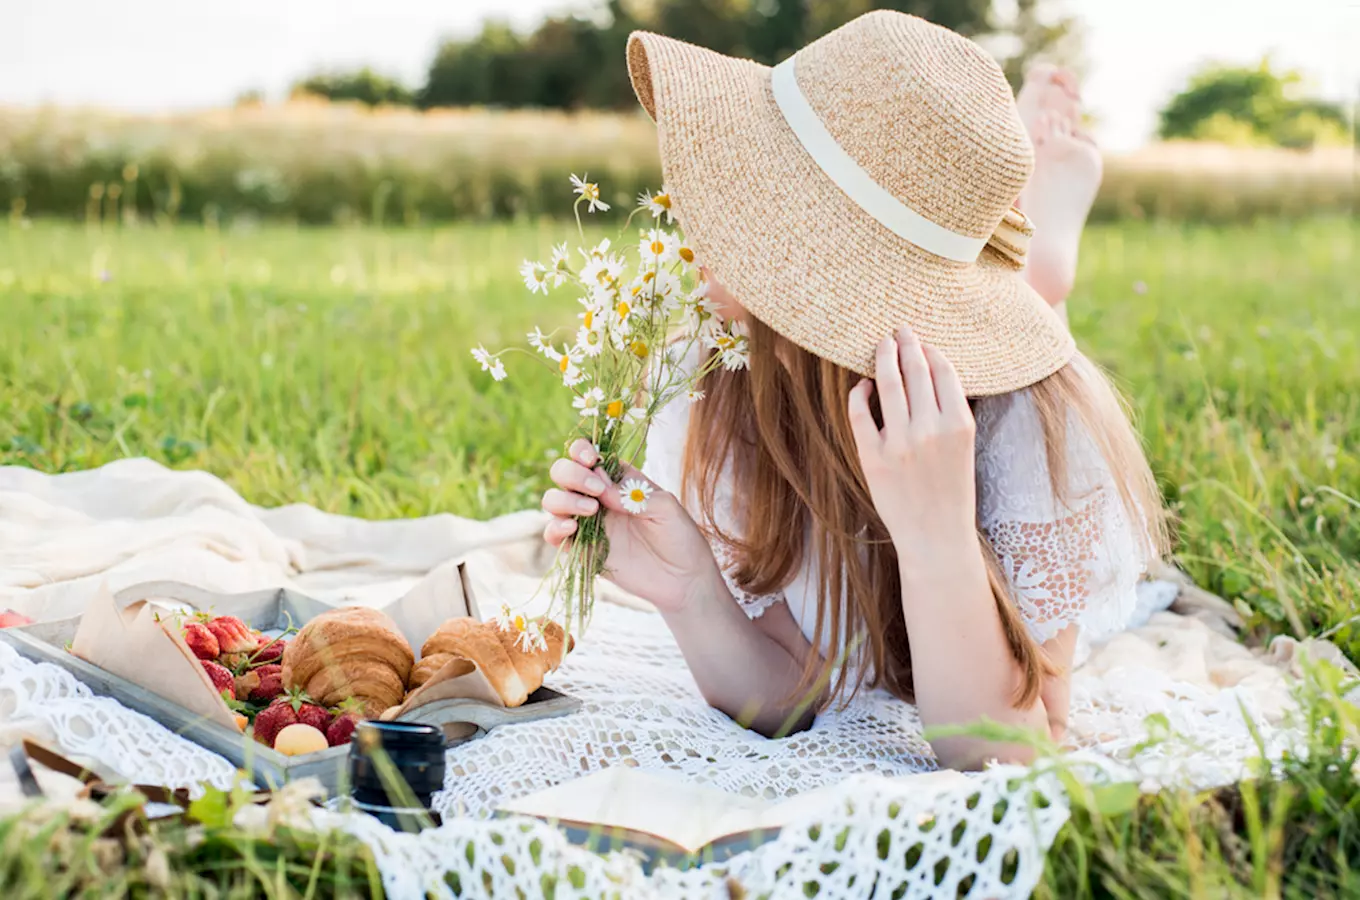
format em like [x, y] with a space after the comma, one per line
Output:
[135, 521]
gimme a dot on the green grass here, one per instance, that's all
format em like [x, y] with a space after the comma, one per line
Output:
[331, 367]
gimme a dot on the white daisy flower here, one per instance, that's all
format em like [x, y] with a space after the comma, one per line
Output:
[590, 341]
[658, 204]
[539, 342]
[590, 192]
[602, 275]
[634, 494]
[532, 638]
[568, 363]
[535, 277]
[505, 621]
[686, 254]
[489, 363]
[694, 395]
[589, 402]
[599, 251]
[658, 245]
[560, 269]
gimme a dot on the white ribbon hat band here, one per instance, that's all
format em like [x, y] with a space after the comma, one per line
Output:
[842, 169]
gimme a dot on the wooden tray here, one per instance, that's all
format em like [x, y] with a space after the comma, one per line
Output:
[267, 611]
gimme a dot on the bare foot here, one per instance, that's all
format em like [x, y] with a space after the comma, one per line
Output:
[1067, 172]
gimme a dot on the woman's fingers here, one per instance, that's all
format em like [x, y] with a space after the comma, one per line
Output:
[892, 395]
[566, 503]
[862, 423]
[949, 391]
[920, 388]
[572, 476]
[558, 530]
[584, 453]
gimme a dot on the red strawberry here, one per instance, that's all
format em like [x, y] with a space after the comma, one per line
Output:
[342, 729]
[315, 716]
[9, 619]
[260, 685]
[232, 635]
[271, 650]
[201, 641]
[273, 719]
[221, 678]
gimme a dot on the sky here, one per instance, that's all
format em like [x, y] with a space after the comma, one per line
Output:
[158, 55]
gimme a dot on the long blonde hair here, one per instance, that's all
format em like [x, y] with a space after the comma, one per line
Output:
[784, 428]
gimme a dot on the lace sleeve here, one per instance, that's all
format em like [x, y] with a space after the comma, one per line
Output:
[1074, 563]
[664, 465]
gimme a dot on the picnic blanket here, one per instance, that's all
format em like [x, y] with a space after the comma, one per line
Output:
[63, 536]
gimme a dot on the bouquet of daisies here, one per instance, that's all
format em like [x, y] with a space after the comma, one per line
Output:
[639, 320]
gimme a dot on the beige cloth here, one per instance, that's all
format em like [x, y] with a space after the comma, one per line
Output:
[135, 521]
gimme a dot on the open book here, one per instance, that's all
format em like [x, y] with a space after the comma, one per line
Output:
[663, 813]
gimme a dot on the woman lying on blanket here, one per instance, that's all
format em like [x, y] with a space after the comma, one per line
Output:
[956, 526]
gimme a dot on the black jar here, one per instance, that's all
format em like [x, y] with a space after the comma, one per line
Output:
[398, 794]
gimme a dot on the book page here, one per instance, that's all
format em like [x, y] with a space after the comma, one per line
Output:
[663, 805]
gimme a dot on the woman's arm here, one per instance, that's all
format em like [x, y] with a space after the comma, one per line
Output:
[920, 473]
[748, 668]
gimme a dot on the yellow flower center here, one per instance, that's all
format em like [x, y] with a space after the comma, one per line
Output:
[614, 409]
[725, 342]
[590, 317]
[658, 248]
[639, 349]
[648, 276]
[593, 338]
[564, 364]
[636, 495]
[687, 254]
[623, 309]
[662, 200]
[520, 622]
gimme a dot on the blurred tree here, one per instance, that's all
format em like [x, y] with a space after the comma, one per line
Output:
[364, 86]
[571, 61]
[1246, 105]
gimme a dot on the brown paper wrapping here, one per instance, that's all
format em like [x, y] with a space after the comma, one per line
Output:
[126, 638]
[132, 641]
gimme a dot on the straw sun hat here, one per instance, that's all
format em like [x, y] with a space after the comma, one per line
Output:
[864, 183]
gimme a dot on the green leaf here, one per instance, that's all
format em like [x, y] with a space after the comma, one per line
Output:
[213, 809]
[1114, 799]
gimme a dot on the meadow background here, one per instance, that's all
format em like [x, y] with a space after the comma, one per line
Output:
[285, 296]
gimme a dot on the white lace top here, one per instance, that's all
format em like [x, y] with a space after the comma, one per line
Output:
[1078, 563]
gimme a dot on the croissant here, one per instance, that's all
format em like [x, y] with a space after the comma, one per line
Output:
[353, 651]
[512, 672]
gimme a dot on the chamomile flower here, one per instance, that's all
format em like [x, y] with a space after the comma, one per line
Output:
[686, 254]
[560, 270]
[658, 204]
[658, 246]
[734, 344]
[634, 494]
[506, 620]
[694, 395]
[535, 277]
[489, 363]
[602, 275]
[590, 341]
[541, 345]
[531, 638]
[599, 251]
[589, 402]
[589, 192]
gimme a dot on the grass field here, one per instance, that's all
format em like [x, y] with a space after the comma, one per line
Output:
[331, 367]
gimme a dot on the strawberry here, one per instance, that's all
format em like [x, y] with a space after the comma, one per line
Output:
[260, 685]
[342, 729]
[232, 635]
[273, 719]
[201, 641]
[9, 619]
[271, 650]
[221, 678]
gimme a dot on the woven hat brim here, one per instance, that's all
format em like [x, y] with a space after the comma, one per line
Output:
[801, 256]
